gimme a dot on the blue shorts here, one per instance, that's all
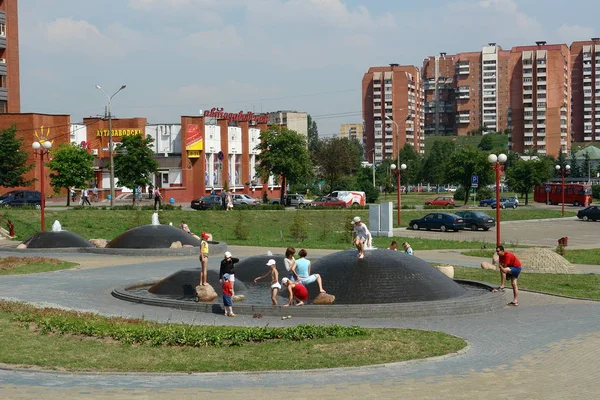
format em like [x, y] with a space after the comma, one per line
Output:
[514, 273]
[227, 301]
[308, 279]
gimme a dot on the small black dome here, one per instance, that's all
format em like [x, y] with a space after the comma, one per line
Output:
[56, 240]
[152, 237]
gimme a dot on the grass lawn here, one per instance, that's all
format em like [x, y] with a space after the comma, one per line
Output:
[585, 286]
[31, 265]
[585, 256]
[26, 346]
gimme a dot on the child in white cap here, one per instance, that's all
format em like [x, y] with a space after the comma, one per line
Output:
[227, 294]
[227, 266]
[275, 286]
[362, 238]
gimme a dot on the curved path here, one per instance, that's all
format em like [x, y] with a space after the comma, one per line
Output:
[547, 348]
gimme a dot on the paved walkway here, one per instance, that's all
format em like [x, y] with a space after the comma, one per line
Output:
[545, 349]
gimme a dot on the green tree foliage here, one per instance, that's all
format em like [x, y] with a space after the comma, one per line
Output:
[312, 136]
[364, 181]
[72, 166]
[338, 158]
[526, 174]
[575, 167]
[283, 153]
[13, 160]
[466, 162]
[586, 170]
[487, 143]
[434, 167]
[414, 165]
[134, 162]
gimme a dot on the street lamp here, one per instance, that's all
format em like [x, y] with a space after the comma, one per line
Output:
[398, 172]
[563, 171]
[110, 142]
[497, 161]
[42, 149]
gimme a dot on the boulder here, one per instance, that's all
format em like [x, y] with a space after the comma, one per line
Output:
[206, 293]
[447, 270]
[323, 299]
[100, 243]
[176, 245]
[487, 265]
[22, 246]
[238, 297]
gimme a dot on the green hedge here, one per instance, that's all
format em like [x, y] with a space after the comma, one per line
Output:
[596, 191]
[432, 207]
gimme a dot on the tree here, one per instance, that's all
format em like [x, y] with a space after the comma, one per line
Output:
[312, 136]
[72, 166]
[134, 162]
[486, 143]
[586, 169]
[364, 181]
[283, 153]
[338, 158]
[526, 174]
[414, 164]
[13, 161]
[466, 162]
[575, 167]
[435, 163]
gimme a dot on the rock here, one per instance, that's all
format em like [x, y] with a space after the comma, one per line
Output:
[238, 297]
[447, 270]
[176, 245]
[206, 293]
[487, 265]
[100, 243]
[22, 246]
[324, 298]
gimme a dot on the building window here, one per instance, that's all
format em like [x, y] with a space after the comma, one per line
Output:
[2, 29]
[3, 107]
[2, 81]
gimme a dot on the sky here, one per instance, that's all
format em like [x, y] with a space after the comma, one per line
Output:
[178, 57]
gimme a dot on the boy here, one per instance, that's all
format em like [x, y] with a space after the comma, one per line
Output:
[296, 291]
[227, 266]
[510, 267]
[275, 286]
[227, 292]
[362, 238]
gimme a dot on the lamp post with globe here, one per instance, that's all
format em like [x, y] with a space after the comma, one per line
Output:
[497, 162]
[398, 172]
[563, 171]
[42, 149]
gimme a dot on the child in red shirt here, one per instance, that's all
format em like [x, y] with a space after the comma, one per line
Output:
[227, 293]
[510, 267]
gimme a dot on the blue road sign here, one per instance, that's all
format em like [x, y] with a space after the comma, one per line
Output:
[548, 189]
[474, 180]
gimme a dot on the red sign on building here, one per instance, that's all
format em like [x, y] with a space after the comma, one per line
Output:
[192, 134]
[249, 116]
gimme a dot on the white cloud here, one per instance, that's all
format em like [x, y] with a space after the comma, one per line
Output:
[571, 33]
[221, 41]
[221, 95]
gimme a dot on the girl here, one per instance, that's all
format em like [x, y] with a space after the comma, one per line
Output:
[204, 259]
[290, 262]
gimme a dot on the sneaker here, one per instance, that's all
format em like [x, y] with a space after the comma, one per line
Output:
[232, 315]
[226, 314]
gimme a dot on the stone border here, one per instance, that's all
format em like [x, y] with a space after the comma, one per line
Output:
[459, 306]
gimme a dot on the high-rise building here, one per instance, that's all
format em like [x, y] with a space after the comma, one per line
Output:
[10, 91]
[585, 90]
[294, 120]
[439, 84]
[392, 99]
[352, 131]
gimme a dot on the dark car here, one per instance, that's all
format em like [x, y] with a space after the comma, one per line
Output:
[21, 198]
[207, 202]
[486, 202]
[506, 203]
[442, 221]
[591, 213]
[291, 200]
[332, 202]
[477, 219]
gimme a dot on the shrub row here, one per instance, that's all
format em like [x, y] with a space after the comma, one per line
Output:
[169, 207]
[143, 332]
[432, 207]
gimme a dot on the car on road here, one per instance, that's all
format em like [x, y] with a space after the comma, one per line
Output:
[332, 202]
[591, 213]
[438, 220]
[244, 200]
[21, 198]
[486, 202]
[291, 200]
[505, 203]
[440, 201]
[475, 220]
[207, 202]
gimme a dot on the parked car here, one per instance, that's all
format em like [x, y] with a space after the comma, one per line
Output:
[352, 198]
[21, 198]
[505, 203]
[477, 219]
[244, 200]
[332, 202]
[438, 220]
[486, 202]
[291, 200]
[591, 213]
[207, 202]
[440, 201]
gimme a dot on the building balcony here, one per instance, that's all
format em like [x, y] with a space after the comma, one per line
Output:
[377, 115]
[528, 126]
[528, 143]
[588, 138]
[412, 137]
[528, 134]
[526, 92]
[563, 142]
[563, 134]
[541, 134]
[541, 126]
[541, 151]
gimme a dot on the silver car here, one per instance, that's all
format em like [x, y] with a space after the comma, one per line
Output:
[244, 200]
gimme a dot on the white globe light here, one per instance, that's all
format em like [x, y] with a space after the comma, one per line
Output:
[36, 145]
[47, 145]
[492, 158]
[557, 167]
[502, 158]
[393, 166]
[403, 167]
[567, 167]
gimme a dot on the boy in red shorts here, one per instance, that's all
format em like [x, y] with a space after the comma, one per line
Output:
[296, 291]
[510, 267]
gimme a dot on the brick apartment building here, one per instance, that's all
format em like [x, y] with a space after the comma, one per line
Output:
[352, 131]
[392, 99]
[585, 90]
[10, 91]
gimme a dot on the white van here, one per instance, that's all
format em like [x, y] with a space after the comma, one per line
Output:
[352, 198]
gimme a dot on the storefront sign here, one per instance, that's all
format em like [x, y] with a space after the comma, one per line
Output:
[193, 141]
[119, 132]
[193, 154]
[239, 117]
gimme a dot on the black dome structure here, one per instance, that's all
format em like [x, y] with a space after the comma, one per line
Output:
[182, 284]
[56, 240]
[383, 276]
[248, 269]
[152, 237]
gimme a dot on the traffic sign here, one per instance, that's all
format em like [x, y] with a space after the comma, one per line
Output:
[474, 181]
[548, 188]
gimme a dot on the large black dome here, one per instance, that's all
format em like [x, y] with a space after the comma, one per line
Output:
[249, 268]
[151, 237]
[56, 240]
[383, 276]
[183, 284]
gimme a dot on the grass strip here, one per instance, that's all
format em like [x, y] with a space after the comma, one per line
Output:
[31, 265]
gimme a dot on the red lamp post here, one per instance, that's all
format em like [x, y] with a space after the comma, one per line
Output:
[563, 171]
[42, 149]
[398, 172]
[497, 161]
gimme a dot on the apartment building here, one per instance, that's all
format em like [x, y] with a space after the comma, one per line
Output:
[294, 120]
[438, 76]
[352, 131]
[540, 98]
[585, 90]
[392, 110]
[10, 90]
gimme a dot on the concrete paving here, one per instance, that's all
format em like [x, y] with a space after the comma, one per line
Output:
[545, 349]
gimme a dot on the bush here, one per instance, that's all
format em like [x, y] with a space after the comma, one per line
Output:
[596, 191]
[241, 229]
[431, 207]
[560, 250]
[298, 227]
[407, 207]
[483, 193]
[459, 195]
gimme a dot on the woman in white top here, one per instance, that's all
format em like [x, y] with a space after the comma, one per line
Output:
[290, 263]
[363, 236]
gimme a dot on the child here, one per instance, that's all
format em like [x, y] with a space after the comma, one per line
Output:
[227, 292]
[393, 246]
[296, 291]
[204, 259]
[275, 286]
[407, 249]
